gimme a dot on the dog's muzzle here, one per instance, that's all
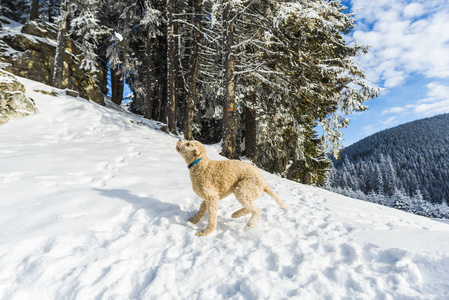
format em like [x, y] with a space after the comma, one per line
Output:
[178, 146]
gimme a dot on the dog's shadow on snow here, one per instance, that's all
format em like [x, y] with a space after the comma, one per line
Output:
[153, 207]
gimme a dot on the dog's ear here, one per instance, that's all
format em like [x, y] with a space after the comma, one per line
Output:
[196, 151]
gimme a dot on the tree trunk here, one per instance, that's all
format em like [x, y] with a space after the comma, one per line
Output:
[179, 92]
[1, 28]
[171, 83]
[34, 10]
[104, 69]
[117, 85]
[194, 67]
[60, 48]
[120, 87]
[149, 97]
[113, 85]
[229, 139]
[160, 76]
[292, 169]
[279, 165]
[162, 115]
[250, 135]
[49, 15]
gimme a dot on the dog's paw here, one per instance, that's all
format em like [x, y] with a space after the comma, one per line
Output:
[193, 220]
[205, 232]
[202, 233]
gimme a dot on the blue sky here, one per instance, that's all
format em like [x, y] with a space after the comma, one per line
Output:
[409, 57]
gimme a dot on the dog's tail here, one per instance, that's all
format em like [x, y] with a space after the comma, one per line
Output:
[271, 192]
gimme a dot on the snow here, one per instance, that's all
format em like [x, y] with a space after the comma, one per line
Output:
[95, 202]
[118, 36]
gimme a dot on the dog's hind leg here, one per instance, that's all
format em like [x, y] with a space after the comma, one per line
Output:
[246, 193]
[246, 199]
[199, 214]
[255, 214]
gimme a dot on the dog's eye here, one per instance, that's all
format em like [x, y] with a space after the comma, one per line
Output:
[188, 143]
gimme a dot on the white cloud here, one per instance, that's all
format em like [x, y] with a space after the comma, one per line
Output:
[388, 122]
[433, 108]
[437, 90]
[413, 10]
[394, 110]
[368, 130]
[437, 101]
[373, 128]
[393, 78]
[407, 38]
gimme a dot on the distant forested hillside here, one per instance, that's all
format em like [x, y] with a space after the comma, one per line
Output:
[405, 167]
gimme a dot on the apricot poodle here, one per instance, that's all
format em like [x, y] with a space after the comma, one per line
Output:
[214, 180]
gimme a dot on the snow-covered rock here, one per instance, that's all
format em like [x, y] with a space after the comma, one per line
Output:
[29, 50]
[95, 202]
[13, 102]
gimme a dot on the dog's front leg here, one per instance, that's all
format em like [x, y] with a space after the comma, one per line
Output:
[199, 214]
[212, 206]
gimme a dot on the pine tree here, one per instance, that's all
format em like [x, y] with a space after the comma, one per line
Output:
[171, 93]
[400, 201]
[34, 9]
[250, 134]
[419, 206]
[390, 183]
[303, 87]
[49, 10]
[17, 10]
[87, 30]
[194, 68]
[123, 54]
[378, 183]
[151, 22]
[229, 125]
[61, 44]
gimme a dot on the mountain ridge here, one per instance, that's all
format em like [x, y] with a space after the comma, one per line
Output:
[409, 161]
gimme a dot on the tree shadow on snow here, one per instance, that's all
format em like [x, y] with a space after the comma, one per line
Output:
[154, 208]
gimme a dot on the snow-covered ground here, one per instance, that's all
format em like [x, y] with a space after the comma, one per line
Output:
[94, 205]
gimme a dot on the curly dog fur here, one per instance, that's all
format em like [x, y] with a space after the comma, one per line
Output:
[215, 180]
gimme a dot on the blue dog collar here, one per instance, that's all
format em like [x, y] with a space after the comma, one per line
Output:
[194, 163]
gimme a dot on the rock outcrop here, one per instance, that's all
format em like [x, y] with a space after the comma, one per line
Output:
[13, 102]
[31, 53]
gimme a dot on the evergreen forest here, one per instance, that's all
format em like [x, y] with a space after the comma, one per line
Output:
[406, 167]
[270, 80]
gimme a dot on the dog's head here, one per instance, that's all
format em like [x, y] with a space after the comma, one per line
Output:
[190, 150]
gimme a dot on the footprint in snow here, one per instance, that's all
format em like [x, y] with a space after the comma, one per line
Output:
[134, 154]
[10, 177]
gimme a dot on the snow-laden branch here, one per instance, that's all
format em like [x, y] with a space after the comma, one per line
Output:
[249, 71]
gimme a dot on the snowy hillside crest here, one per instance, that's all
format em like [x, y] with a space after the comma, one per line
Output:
[95, 203]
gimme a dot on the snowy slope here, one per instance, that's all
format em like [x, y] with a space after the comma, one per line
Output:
[94, 205]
